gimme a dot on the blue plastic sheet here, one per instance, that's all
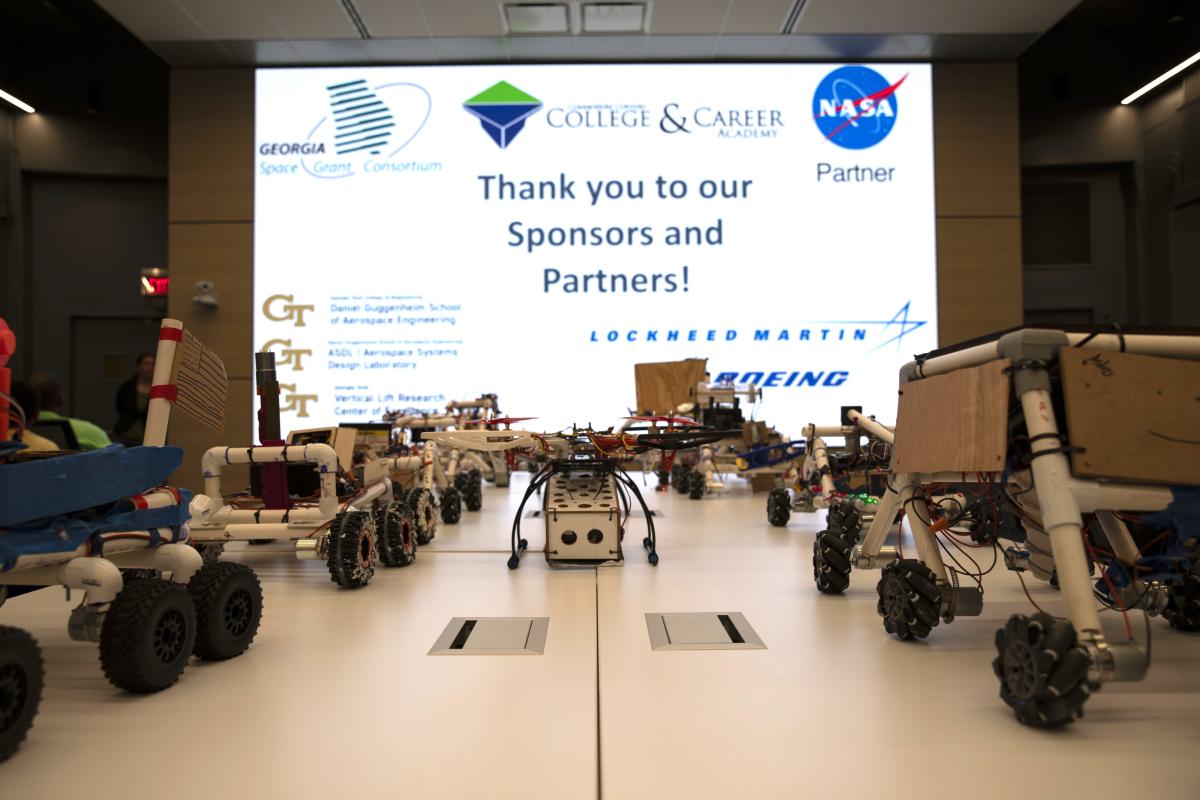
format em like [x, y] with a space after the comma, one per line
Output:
[52, 487]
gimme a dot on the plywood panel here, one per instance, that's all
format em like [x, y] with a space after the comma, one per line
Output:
[221, 253]
[979, 277]
[1135, 418]
[211, 149]
[956, 422]
[195, 439]
[663, 385]
[976, 139]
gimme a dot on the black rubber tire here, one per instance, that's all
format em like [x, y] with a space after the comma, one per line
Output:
[697, 484]
[908, 599]
[22, 677]
[210, 551]
[425, 514]
[351, 549]
[1043, 672]
[680, 476]
[779, 507]
[1183, 604]
[395, 534]
[451, 503]
[148, 635]
[228, 600]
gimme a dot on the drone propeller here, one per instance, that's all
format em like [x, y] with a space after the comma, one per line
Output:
[505, 421]
[681, 421]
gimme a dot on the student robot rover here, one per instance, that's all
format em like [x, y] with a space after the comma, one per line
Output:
[311, 491]
[1081, 450]
[822, 480]
[586, 500]
[79, 519]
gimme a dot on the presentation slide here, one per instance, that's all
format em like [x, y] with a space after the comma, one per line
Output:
[426, 234]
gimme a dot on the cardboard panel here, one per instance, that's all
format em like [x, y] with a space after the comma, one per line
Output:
[956, 422]
[1136, 417]
[663, 385]
[195, 439]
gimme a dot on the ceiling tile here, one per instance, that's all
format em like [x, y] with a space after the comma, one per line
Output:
[234, 20]
[331, 51]
[624, 48]
[309, 19]
[401, 51]
[757, 16]
[540, 48]
[464, 50]
[688, 16]
[1011, 16]
[877, 16]
[696, 48]
[826, 47]
[392, 19]
[462, 17]
[894, 47]
[753, 48]
[193, 54]
[154, 22]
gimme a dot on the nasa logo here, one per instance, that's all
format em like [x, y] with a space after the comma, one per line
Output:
[855, 107]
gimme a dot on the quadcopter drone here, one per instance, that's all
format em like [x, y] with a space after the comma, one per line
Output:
[587, 491]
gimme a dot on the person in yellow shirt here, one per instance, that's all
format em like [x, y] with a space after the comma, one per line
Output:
[27, 398]
[90, 435]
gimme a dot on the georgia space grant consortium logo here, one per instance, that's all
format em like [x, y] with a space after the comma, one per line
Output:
[855, 107]
[502, 110]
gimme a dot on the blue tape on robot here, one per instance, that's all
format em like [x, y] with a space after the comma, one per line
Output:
[51, 487]
[62, 534]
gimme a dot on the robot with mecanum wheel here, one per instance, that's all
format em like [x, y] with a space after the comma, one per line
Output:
[104, 523]
[309, 489]
[1074, 451]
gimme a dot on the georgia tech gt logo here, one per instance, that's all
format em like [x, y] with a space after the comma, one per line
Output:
[283, 307]
[288, 356]
[295, 402]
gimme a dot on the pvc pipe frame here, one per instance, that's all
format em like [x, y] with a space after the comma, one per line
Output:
[240, 524]
[158, 411]
[1186, 347]
[820, 454]
[320, 455]
[98, 578]
[872, 427]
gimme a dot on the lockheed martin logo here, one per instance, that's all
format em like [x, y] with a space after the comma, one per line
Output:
[502, 110]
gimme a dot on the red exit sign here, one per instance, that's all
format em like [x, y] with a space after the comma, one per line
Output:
[155, 283]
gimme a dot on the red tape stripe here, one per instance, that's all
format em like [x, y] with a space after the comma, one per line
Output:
[173, 334]
[139, 502]
[165, 391]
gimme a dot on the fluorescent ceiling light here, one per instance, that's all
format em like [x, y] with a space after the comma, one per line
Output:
[613, 17]
[1166, 76]
[28, 109]
[536, 18]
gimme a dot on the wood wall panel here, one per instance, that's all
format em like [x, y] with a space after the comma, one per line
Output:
[211, 145]
[224, 254]
[978, 184]
[976, 140]
[211, 237]
[979, 276]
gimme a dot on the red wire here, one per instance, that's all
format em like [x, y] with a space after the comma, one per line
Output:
[1112, 590]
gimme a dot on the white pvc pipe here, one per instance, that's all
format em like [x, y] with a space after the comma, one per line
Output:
[320, 455]
[820, 454]
[98, 578]
[1187, 347]
[1096, 496]
[181, 560]
[158, 411]
[917, 511]
[876, 429]
[1060, 512]
[967, 357]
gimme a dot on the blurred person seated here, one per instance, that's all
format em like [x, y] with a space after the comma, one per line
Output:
[133, 399]
[90, 436]
[27, 399]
